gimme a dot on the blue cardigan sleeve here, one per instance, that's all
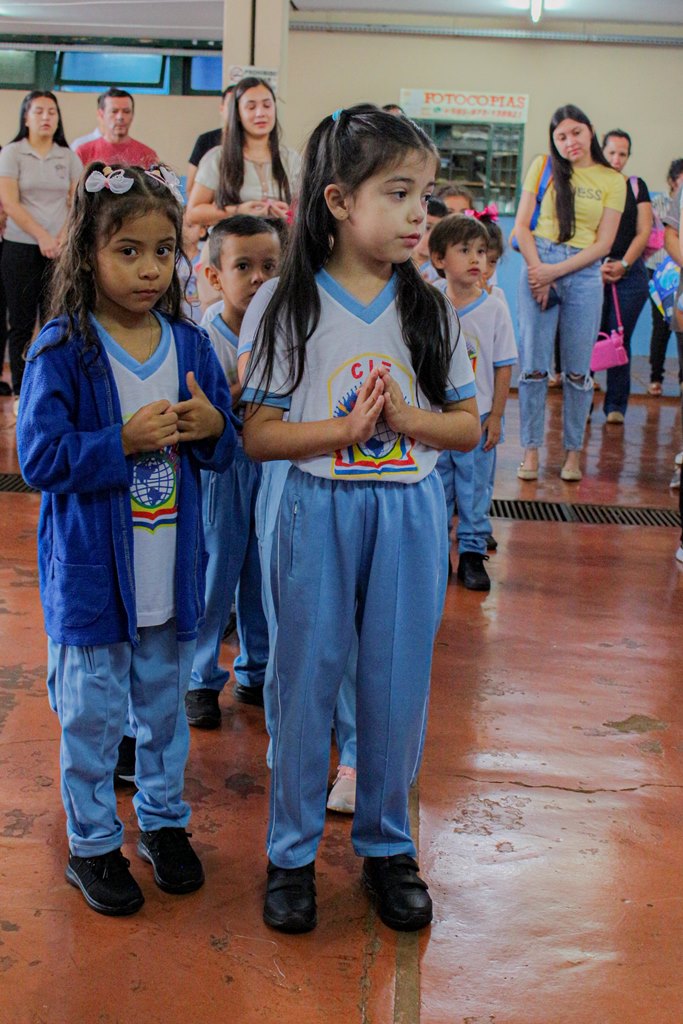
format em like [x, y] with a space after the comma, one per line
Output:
[216, 454]
[64, 442]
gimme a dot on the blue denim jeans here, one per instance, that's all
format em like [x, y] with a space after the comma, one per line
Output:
[632, 294]
[578, 315]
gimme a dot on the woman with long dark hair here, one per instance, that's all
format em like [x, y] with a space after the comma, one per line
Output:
[251, 172]
[38, 175]
[577, 223]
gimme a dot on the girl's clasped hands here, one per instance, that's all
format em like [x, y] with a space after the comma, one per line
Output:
[161, 424]
[379, 395]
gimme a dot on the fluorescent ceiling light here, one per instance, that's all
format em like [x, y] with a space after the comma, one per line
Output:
[536, 10]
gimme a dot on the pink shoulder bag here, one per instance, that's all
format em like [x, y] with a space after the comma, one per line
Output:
[609, 350]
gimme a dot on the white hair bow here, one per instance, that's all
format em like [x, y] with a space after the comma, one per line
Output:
[168, 178]
[116, 181]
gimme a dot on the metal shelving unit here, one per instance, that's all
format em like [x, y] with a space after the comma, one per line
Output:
[487, 158]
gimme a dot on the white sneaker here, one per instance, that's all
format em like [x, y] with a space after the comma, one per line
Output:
[675, 481]
[342, 798]
[678, 459]
[679, 554]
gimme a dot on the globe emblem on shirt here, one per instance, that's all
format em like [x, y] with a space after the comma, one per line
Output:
[153, 480]
[382, 441]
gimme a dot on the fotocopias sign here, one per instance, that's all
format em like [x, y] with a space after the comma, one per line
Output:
[461, 105]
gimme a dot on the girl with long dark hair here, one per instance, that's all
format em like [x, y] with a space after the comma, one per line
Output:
[361, 353]
[561, 281]
[251, 172]
[124, 401]
[38, 175]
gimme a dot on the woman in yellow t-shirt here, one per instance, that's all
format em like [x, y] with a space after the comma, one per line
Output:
[561, 282]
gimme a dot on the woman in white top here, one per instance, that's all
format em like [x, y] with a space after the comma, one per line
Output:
[38, 175]
[250, 173]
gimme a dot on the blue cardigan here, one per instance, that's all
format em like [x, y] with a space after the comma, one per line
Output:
[69, 446]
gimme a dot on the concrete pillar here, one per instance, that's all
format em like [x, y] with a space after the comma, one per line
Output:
[255, 32]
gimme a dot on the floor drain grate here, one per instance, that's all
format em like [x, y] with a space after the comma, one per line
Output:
[504, 508]
[562, 512]
[15, 483]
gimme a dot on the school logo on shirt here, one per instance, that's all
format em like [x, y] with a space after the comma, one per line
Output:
[154, 491]
[472, 343]
[386, 451]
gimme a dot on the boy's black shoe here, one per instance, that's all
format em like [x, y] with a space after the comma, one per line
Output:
[202, 709]
[230, 627]
[290, 899]
[107, 884]
[403, 900]
[471, 571]
[177, 868]
[248, 694]
[491, 542]
[125, 766]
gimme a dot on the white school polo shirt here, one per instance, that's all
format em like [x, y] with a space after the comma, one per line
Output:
[349, 341]
[487, 329]
[156, 476]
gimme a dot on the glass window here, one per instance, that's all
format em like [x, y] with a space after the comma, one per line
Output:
[17, 69]
[80, 71]
[206, 74]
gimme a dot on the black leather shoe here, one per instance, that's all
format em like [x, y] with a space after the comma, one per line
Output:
[403, 900]
[471, 571]
[248, 694]
[290, 899]
[202, 709]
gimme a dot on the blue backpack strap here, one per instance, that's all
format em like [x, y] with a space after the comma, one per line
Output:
[543, 182]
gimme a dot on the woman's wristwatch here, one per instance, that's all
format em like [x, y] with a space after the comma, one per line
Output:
[626, 265]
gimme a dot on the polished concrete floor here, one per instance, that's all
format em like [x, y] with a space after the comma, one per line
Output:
[549, 806]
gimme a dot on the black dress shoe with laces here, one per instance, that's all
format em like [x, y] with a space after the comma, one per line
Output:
[177, 868]
[403, 900]
[471, 571]
[106, 883]
[290, 899]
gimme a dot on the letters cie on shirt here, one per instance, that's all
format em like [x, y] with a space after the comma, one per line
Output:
[386, 451]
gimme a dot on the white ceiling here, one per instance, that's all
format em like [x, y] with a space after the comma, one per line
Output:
[659, 11]
[203, 19]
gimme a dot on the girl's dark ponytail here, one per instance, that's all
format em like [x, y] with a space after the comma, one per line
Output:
[346, 149]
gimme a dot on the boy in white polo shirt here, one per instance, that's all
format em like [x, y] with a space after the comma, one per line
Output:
[458, 247]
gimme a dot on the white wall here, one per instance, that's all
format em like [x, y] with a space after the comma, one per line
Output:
[632, 87]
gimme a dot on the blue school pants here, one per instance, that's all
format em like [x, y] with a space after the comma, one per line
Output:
[469, 477]
[234, 570]
[93, 689]
[358, 559]
[267, 506]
